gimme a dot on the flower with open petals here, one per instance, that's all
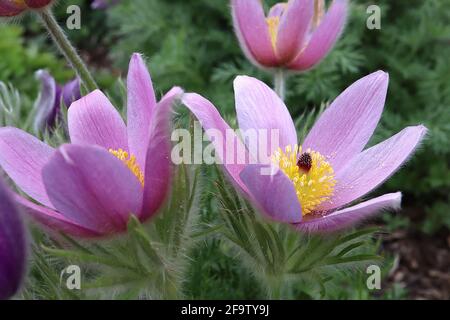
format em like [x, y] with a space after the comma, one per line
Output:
[10, 8]
[314, 183]
[108, 172]
[295, 35]
[12, 245]
[51, 96]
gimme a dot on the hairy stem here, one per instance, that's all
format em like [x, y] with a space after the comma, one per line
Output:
[66, 48]
[280, 83]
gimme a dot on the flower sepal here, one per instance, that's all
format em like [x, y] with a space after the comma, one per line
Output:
[281, 258]
[147, 262]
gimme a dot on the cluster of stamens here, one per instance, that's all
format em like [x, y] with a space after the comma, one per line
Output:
[311, 174]
[130, 162]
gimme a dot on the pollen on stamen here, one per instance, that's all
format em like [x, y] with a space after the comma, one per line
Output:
[130, 162]
[311, 174]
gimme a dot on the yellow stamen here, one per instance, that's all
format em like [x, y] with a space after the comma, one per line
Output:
[272, 23]
[313, 186]
[130, 162]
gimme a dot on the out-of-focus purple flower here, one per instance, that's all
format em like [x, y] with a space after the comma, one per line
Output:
[313, 183]
[110, 171]
[10, 8]
[48, 104]
[103, 4]
[12, 245]
[295, 35]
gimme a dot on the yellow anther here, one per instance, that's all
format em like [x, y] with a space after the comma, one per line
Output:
[313, 186]
[130, 162]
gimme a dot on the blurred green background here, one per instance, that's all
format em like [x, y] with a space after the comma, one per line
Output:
[192, 44]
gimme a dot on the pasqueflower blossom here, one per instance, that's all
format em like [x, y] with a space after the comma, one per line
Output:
[109, 171]
[295, 35]
[313, 183]
[51, 95]
[12, 245]
[10, 8]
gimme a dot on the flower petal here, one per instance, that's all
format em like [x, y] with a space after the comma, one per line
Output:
[274, 194]
[37, 4]
[158, 163]
[259, 107]
[370, 168]
[294, 23]
[71, 92]
[253, 33]
[53, 220]
[10, 8]
[350, 216]
[94, 120]
[141, 105]
[210, 119]
[346, 126]
[12, 245]
[46, 104]
[93, 188]
[23, 156]
[323, 38]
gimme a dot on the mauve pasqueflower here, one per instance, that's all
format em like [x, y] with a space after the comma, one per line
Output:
[12, 245]
[330, 170]
[295, 35]
[51, 95]
[10, 8]
[89, 188]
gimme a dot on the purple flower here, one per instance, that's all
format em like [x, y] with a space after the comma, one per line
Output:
[48, 104]
[103, 4]
[12, 245]
[10, 8]
[295, 35]
[89, 188]
[314, 183]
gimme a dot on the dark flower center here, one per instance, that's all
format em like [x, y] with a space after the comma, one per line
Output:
[304, 162]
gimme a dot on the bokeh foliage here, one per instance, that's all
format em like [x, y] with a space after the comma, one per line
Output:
[191, 44]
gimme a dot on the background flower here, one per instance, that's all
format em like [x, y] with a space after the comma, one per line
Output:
[295, 35]
[51, 96]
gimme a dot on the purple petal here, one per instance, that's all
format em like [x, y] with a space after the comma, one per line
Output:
[259, 107]
[22, 156]
[53, 220]
[90, 186]
[274, 194]
[350, 216]
[346, 126]
[10, 8]
[323, 38]
[141, 105]
[94, 120]
[372, 167]
[277, 10]
[12, 245]
[253, 33]
[158, 162]
[47, 104]
[210, 119]
[71, 92]
[292, 29]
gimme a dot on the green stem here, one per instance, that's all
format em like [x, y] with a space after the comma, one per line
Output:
[280, 83]
[274, 287]
[66, 48]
